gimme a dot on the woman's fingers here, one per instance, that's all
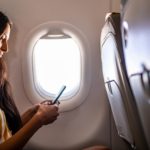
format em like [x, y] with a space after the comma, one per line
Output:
[49, 102]
[46, 102]
[48, 113]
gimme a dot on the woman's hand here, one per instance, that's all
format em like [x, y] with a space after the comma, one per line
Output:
[41, 108]
[47, 113]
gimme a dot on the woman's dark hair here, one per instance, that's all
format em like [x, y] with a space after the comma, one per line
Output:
[6, 100]
[4, 20]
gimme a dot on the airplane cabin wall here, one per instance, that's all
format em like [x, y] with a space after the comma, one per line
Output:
[88, 124]
[115, 5]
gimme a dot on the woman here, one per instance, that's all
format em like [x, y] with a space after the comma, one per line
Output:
[16, 130]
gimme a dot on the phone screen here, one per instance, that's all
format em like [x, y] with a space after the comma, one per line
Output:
[59, 94]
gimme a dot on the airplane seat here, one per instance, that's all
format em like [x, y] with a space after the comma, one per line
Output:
[110, 46]
[117, 85]
[136, 33]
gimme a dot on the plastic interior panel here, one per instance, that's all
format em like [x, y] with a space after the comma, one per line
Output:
[119, 113]
[114, 90]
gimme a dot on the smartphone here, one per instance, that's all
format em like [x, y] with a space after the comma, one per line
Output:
[59, 94]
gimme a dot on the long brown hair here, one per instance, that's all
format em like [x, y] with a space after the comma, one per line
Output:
[6, 100]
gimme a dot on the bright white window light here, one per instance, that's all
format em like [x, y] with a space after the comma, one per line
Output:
[57, 62]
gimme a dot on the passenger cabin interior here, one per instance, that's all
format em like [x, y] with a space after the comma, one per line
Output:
[107, 97]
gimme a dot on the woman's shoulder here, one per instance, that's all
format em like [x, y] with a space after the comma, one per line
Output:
[1, 123]
[5, 133]
[1, 112]
[2, 115]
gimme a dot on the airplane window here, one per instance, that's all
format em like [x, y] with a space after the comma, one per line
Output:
[56, 62]
[56, 54]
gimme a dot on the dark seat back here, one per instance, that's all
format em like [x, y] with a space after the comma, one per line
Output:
[136, 37]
